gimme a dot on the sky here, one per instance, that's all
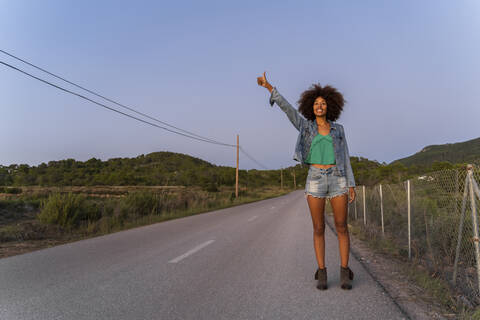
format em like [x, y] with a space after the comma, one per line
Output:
[409, 71]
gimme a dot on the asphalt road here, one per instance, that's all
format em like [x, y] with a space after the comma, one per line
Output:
[254, 261]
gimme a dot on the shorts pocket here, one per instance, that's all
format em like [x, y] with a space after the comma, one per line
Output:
[342, 182]
[316, 184]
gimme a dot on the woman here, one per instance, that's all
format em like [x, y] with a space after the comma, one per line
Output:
[321, 144]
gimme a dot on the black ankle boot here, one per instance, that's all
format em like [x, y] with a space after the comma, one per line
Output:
[346, 275]
[321, 275]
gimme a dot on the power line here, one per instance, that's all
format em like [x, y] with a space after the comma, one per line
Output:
[189, 135]
[253, 159]
[103, 97]
[110, 108]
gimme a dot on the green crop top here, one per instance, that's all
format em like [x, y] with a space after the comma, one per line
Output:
[321, 150]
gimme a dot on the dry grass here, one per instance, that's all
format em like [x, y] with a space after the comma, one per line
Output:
[435, 288]
[120, 208]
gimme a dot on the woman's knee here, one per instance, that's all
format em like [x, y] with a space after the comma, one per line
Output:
[341, 227]
[319, 231]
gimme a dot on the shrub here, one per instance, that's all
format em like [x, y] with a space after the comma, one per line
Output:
[14, 204]
[211, 187]
[23, 231]
[141, 203]
[68, 210]
[242, 193]
[13, 190]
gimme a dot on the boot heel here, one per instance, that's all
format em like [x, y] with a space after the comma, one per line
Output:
[316, 274]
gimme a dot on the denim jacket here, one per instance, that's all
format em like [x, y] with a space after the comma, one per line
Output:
[308, 130]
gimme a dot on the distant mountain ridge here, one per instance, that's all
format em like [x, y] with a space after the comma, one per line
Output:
[460, 152]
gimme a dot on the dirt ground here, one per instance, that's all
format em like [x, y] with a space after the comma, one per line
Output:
[13, 248]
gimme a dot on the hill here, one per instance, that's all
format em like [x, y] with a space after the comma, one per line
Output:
[176, 169]
[155, 169]
[460, 152]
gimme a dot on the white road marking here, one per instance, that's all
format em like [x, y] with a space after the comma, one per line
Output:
[272, 208]
[252, 218]
[192, 251]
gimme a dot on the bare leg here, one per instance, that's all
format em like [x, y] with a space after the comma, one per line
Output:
[317, 208]
[339, 206]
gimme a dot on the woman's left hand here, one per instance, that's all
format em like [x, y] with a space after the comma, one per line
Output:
[351, 192]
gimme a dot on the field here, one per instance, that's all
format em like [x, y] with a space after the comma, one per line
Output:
[33, 217]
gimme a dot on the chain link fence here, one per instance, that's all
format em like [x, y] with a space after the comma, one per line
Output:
[431, 220]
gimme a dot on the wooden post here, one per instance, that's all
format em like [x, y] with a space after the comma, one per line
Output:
[355, 203]
[294, 180]
[364, 208]
[381, 209]
[281, 178]
[409, 221]
[236, 176]
[474, 222]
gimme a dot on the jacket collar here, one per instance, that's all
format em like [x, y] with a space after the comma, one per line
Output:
[333, 125]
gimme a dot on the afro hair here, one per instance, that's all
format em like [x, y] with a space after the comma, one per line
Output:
[332, 97]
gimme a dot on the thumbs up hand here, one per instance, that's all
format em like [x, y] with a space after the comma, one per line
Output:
[262, 81]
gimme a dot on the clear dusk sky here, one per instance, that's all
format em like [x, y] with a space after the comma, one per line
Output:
[409, 70]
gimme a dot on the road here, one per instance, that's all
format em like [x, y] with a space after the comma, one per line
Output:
[254, 261]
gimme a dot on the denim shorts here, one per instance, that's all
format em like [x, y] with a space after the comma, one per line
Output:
[322, 183]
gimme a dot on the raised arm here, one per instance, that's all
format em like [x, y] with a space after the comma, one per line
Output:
[293, 115]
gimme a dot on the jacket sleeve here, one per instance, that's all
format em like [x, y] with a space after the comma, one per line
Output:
[292, 113]
[348, 166]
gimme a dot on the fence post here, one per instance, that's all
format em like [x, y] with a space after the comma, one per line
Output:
[474, 222]
[475, 187]
[364, 208]
[460, 230]
[409, 221]
[381, 209]
[356, 217]
[456, 193]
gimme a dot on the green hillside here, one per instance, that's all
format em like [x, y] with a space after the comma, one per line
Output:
[460, 152]
[176, 169]
[154, 169]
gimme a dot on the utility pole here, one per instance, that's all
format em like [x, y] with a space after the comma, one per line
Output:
[236, 176]
[294, 180]
[281, 178]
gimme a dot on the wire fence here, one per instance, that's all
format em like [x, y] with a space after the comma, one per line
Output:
[431, 220]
